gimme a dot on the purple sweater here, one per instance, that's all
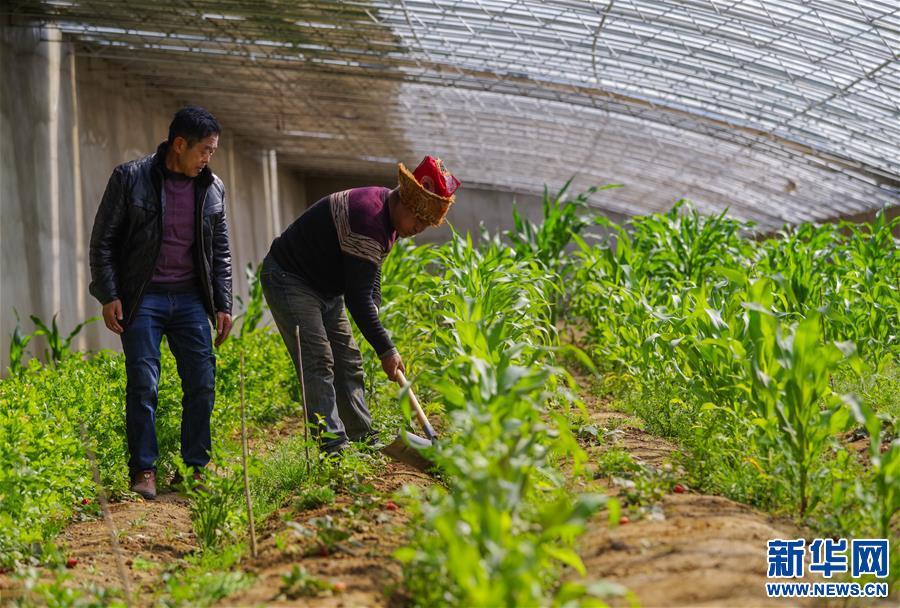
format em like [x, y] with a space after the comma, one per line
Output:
[337, 247]
[175, 264]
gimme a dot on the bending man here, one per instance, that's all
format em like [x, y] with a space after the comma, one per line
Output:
[332, 255]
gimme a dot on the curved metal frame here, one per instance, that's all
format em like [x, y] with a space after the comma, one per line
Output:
[782, 111]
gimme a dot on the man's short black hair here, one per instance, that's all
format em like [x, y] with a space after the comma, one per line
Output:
[193, 123]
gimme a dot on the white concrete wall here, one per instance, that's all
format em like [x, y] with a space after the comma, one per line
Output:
[60, 138]
[36, 225]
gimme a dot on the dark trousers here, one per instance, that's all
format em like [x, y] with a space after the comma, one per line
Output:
[332, 363]
[182, 318]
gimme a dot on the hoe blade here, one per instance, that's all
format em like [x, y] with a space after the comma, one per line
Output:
[407, 448]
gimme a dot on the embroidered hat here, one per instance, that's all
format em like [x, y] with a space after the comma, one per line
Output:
[429, 190]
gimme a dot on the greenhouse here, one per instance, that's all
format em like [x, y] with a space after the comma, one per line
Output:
[450, 303]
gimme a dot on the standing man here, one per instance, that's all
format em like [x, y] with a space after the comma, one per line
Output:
[332, 255]
[161, 265]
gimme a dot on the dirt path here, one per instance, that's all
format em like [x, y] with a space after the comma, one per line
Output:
[151, 535]
[154, 536]
[689, 549]
[362, 563]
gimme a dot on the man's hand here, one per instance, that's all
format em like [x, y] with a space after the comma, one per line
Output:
[223, 327]
[112, 315]
[390, 364]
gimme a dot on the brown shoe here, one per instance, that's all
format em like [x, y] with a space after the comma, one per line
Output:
[144, 483]
[198, 476]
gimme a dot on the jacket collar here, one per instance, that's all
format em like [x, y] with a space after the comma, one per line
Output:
[204, 179]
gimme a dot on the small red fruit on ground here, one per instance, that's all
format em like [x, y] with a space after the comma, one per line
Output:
[340, 587]
[678, 489]
[71, 562]
[391, 505]
[623, 520]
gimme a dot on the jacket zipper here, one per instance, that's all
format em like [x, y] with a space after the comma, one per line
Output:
[207, 272]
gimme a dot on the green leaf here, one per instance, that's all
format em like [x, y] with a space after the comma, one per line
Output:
[735, 276]
[566, 556]
[405, 555]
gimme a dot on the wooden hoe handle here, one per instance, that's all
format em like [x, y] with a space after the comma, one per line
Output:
[420, 413]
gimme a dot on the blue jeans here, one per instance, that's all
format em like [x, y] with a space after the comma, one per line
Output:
[182, 318]
[332, 363]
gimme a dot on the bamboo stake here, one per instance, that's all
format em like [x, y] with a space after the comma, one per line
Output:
[244, 462]
[303, 396]
[107, 517]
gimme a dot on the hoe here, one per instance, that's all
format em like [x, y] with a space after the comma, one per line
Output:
[407, 447]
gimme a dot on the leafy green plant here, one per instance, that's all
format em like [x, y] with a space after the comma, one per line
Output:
[792, 395]
[17, 345]
[616, 461]
[300, 583]
[59, 345]
[58, 591]
[682, 245]
[639, 484]
[214, 504]
[562, 219]
[253, 313]
[485, 339]
[885, 465]
[329, 534]
[44, 476]
[314, 497]
[741, 349]
[204, 578]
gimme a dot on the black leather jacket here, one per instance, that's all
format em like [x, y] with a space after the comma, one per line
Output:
[127, 236]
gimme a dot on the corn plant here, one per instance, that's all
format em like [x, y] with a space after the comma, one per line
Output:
[885, 465]
[59, 345]
[253, 313]
[17, 345]
[866, 296]
[880, 492]
[717, 333]
[546, 243]
[682, 245]
[791, 392]
[562, 219]
[484, 339]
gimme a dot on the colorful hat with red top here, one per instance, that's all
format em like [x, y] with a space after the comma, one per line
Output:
[428, 191]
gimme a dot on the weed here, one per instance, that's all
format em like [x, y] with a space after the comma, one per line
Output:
[299, 583]
[314, 497]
